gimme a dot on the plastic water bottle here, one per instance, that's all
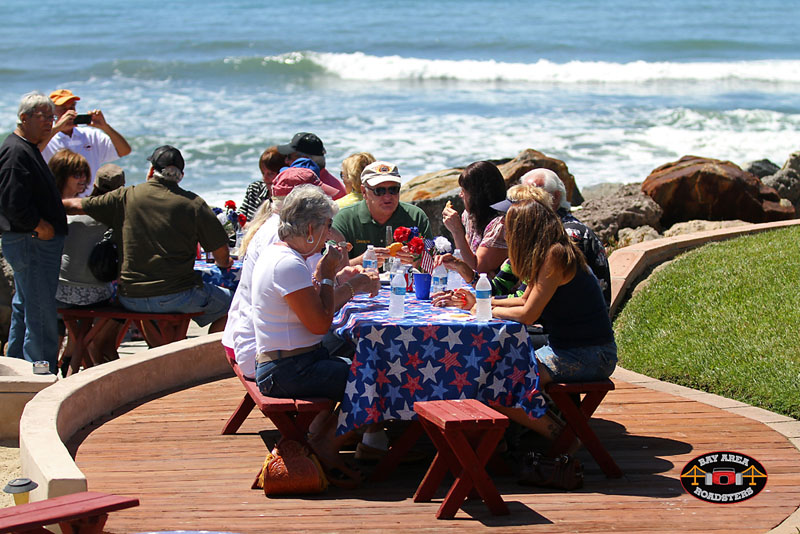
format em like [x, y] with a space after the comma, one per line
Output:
[483, 295]
[370, 260]
[453, 278]
[439, 279]
[397, 300]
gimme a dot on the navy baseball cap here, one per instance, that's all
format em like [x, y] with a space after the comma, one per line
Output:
[166, 156]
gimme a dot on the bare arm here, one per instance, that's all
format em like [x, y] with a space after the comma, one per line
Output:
[512, 301]
[62, 124]
[489, 259]
[452, 221]
[222, 257]
[120, 144]
[315, 307]
[73, 206]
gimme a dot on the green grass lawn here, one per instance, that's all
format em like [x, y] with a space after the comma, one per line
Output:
[724, 318]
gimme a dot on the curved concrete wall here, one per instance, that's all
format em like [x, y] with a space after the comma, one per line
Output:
[59, 411]
[18, 385]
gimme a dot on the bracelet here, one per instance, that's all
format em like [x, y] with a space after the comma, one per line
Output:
[475, 277]
[326, 282]
[352, 290]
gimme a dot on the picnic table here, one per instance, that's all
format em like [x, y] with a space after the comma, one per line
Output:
[431, 354]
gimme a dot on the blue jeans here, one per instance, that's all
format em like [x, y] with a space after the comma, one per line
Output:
[34, 320]
[579, 364]
[313, 374]
[212, 300]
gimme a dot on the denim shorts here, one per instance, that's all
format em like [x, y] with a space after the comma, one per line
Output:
[579, 364]
[212, 300]
[313, 374]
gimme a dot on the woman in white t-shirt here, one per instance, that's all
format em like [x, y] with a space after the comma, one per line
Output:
[291, 314]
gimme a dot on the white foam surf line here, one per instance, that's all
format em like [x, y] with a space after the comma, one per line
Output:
[360, 66]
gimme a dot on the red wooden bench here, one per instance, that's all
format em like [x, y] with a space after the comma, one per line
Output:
[157, 328]
[450, 425]
[577, 412]
[290, 416]
[84, 512]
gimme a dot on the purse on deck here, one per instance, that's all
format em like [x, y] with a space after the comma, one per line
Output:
[562, 472]
[291, 469]
[104, 259]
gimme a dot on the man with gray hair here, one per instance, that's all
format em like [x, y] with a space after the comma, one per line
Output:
[157, 226]
[582, 235]
[34, 225]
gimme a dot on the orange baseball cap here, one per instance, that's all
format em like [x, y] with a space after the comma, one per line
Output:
[62, 96]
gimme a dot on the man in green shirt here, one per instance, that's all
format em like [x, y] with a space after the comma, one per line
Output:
[157, 225]
[365, 222]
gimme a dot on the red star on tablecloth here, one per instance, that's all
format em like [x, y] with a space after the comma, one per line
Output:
[382, 401]
[518, 376]
[413, 360]
[429, 331]
[373, 413]
[355, 365]
[494, 402]
[381, 378]
[494, 356]
[460, 380]
[450, 359]
[478, 341]
[412, 385]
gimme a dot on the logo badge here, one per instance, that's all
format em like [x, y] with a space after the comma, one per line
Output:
[723, 477]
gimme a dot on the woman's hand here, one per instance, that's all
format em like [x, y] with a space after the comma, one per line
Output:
[330, 262]
[452, 220]
[366, 282]
[460, 298]
[451, 263]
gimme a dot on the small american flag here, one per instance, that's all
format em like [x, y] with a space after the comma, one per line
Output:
[427, 259]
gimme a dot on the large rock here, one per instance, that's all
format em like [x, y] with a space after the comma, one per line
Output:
[710, 189]
[761, 168]
[691, 227]
[786, 181]
[627, 207]
[631, 236]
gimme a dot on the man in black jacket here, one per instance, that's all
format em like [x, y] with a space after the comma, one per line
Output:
[34, 225]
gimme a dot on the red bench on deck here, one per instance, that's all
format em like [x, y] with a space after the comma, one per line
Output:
[158, 328]
[450, 425]
[290, 416]
[84, 512]
[577, 412]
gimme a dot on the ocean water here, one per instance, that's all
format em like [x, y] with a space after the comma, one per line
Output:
[614, 88]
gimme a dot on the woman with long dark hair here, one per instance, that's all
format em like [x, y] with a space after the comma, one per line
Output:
[479, 231]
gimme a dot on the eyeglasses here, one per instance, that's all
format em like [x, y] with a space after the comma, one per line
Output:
[380, 191]
[45, 115]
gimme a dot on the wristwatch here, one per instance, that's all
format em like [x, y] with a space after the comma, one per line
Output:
[35, 234]
[326, 282]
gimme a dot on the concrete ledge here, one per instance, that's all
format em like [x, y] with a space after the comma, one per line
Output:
[18, 385]
[628, 263]
[58, 412]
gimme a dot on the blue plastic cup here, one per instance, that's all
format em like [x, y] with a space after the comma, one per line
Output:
[422, 286]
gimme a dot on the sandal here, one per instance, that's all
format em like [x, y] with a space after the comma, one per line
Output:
[340, 479]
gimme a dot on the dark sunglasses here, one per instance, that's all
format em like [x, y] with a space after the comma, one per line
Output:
[380, 191]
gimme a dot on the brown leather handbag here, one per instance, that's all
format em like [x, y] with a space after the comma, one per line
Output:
[561, 472]
[290, 469]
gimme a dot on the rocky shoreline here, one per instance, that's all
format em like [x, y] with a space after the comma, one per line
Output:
[689, 195]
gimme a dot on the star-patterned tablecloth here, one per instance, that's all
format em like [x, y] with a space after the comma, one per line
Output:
[431, 354]
[228, 278]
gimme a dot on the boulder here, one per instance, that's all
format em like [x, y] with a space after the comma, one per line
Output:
[760, 168]
[710, 189]
[628, 207]
[786, 182]
[6, 294]
[691, 227]
[631, 236]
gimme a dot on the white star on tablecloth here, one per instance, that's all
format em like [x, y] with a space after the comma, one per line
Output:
[429, 372]
[406, 336]
[376, 335]
[498, 386]
[522, 336]
[500, 335]
[406, 413]
[482, 377]
[396, 368]
[451, 338]
[352, 389]
[370, 393]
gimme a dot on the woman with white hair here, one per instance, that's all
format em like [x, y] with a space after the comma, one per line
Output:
[291, 315]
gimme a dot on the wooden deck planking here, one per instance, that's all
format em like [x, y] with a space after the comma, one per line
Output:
[169, 453]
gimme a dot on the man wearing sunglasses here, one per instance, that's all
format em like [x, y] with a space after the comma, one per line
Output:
[365, 222]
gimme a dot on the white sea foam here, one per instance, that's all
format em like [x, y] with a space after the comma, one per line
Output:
[360, 66]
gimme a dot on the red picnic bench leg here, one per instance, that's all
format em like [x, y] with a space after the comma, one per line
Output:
[443, 461]
[292, 427]
[238, 417]
[86, 525]
[123, 331]
[79, 329]
[578, 425]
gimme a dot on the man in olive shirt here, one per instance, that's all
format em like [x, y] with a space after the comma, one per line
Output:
[365, 222]
[157, 226]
